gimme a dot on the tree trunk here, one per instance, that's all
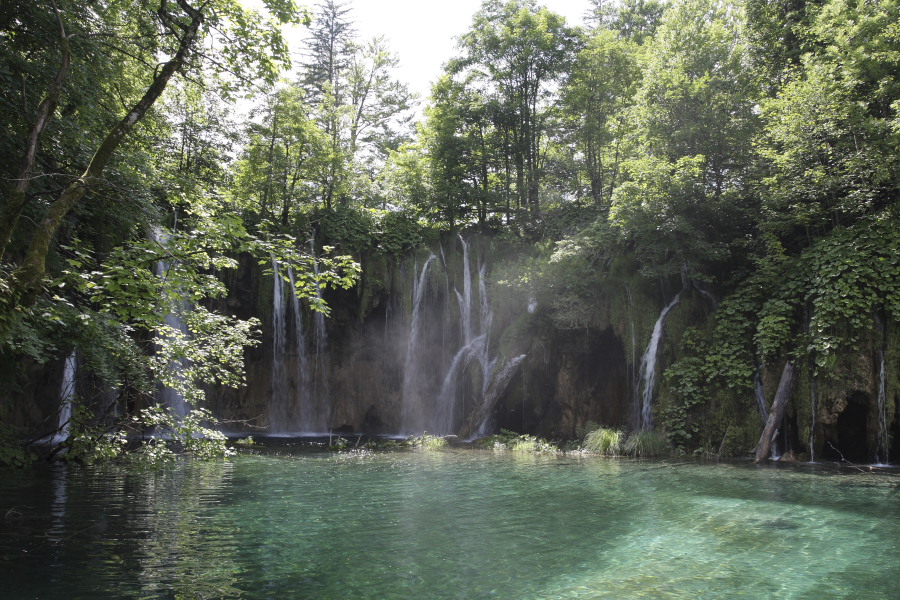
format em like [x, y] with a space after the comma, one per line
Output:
[17, 198]
[776, 414]
[26, 280]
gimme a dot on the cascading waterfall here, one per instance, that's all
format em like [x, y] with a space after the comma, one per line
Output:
[305, 406]
[321, 390]
[498, 383]
[66, 398]
[165, 395]
[291, 400]
[411, 400]
[278, 396]
[881, 453]
[648, 366]
[450, 411]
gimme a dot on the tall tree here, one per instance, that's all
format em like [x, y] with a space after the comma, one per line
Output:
[276, 175]
[688, 196]
[175, 31]
[597, 93]
[519, 52]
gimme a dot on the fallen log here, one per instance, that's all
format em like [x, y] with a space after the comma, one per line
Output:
[776, 414]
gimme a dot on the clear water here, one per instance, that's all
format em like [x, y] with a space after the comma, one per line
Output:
[457, 524]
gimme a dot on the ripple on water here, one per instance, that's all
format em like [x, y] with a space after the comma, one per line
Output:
[459, 524]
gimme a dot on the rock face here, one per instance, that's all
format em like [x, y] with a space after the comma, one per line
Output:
[421, 350]
[430, 342]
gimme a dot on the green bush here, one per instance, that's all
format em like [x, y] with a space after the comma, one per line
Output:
[510, 441]
[426, 442]
[644, 444]
[172, 435]
[608, 442]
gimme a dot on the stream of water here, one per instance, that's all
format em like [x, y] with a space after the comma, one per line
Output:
[282, 524]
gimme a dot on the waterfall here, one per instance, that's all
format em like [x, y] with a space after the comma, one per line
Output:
[321, 391]
[451, 411]
[66, 398]
[447, 414]
[167, 396]
[291, 399]
[279, 417]
[648, 366]
[881, 453]
[301, 368]
[465, 299]
[482, 417]
[411, 400]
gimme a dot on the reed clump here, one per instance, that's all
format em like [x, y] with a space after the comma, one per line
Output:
[604, 441]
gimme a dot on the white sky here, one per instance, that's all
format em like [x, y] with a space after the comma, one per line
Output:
[421, 32]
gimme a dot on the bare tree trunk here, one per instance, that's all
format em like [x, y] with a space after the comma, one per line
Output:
[26, 280]
[776, 414]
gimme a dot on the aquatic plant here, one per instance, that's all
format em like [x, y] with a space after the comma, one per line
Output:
[644, 444]
[608, 442]
[529, 444]
[510, 441]
[426, 442]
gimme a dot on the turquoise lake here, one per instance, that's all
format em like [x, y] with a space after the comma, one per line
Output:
[283, 524]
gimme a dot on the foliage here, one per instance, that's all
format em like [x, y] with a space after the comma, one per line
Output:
[510, 441]
[12, 451]
[646, 444]
[170, 435]
[426, 442]
[840, 281]
[92, 440]
[604, 441]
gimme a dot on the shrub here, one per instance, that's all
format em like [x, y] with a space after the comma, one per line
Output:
[192, 434]
[427, 442]
[510, 441]
[645, 444]
[607, 442]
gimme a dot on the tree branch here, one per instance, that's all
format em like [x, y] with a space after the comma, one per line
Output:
[18, 198]
[26, 279]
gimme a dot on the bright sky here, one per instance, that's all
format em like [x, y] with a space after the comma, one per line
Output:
[421, 32]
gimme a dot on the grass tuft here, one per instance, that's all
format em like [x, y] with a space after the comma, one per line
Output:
[607, 442]
[645, 444]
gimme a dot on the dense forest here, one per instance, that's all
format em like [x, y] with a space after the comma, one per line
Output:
[720, 178]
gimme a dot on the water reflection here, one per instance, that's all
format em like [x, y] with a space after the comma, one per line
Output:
[453, 524]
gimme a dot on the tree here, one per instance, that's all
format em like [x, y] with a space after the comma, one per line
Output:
[518, 52]
[594, 100]
[459, 138]
[693, 125]
[357, 103]
[276, 176]
[831, 132]
[177, 27]
[633, 20]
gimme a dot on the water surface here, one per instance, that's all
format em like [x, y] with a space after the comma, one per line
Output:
[454, 524]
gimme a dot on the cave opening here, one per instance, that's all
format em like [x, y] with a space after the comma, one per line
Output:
[852, 432]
